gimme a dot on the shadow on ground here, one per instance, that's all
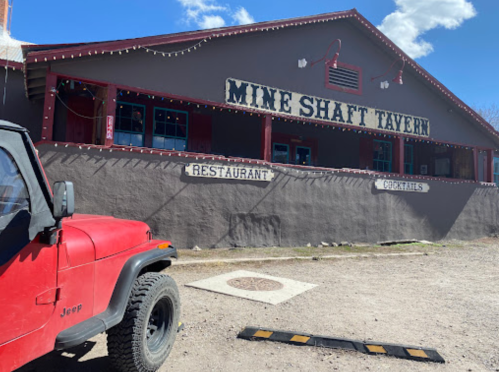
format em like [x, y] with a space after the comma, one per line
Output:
[69, 360]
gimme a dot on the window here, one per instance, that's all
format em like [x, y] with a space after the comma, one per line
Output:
[382, 157]
[280, 153]
[408, 159]
[13, 191]
[345, 78]
[170, 129]
[496, 171]
[130, 123]
[303, 155]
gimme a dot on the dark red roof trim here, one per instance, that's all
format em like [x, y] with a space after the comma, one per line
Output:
[11, 64]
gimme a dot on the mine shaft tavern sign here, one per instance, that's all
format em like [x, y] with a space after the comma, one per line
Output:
[229, 172]
[273, 100]
[390, 185]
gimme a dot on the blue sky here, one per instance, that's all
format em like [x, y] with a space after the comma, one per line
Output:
[464, 56]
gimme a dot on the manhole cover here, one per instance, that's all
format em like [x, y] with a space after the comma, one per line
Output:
[255, 284]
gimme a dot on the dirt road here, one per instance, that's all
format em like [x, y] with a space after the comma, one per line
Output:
[448, 300]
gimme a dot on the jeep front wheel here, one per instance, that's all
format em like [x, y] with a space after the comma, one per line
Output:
[144, 338]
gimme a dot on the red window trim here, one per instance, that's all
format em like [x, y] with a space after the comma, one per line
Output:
[342, 89]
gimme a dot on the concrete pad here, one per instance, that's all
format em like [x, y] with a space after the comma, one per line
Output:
[253, 286]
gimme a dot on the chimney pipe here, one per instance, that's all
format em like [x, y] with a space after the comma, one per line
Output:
[4, 16]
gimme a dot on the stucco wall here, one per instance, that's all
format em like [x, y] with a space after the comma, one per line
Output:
[271, 58]
[292, 210]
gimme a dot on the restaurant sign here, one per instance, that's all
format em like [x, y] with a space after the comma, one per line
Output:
[282, 102]
[389, 185]
[229, 172]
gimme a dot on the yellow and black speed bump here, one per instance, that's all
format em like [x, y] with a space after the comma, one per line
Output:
[373, 348]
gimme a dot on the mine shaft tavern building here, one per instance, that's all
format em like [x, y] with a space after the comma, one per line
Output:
[277, 133]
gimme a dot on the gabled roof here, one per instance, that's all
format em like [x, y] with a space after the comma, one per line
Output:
[42, 54]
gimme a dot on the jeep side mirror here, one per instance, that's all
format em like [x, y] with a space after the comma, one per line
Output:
[64, 199]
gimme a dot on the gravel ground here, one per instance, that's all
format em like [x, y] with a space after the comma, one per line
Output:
[449, 301]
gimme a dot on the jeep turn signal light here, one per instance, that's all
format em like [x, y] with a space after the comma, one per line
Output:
[165, 245]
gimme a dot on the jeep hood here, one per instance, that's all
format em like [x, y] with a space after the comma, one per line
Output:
[109, 235]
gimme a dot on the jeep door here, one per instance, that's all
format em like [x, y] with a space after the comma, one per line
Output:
[28, 268]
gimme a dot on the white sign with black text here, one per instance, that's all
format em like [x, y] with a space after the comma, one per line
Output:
[391, 185]
[229, 172]
[277, 101]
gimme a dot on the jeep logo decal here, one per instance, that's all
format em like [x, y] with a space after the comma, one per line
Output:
[69, 310]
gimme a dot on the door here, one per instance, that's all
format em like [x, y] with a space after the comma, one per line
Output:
[303, 155]
[200, 133]
[79, 128]
[27, 269]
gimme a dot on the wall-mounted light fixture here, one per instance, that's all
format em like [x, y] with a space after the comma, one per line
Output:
[302, 63]
[397, 79]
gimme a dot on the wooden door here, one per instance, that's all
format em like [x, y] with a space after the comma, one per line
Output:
[199, 133]
[79, 128]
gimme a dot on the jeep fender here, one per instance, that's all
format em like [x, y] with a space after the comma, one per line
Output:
[150, 260]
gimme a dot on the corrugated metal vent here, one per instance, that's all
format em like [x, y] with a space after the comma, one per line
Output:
[344, 77]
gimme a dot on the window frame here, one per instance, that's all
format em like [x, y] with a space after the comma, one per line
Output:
[494, 174]
[411, 164]
[273, 152]
[390, 163]
[165, 135]
[340, 88]
[127, 131]
[310, 154]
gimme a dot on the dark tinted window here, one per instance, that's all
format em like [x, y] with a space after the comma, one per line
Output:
[13, 191]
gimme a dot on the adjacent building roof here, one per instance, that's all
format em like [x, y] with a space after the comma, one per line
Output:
[10, 48]
[40, 55]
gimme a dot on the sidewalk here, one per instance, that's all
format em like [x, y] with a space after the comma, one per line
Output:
[281, 254]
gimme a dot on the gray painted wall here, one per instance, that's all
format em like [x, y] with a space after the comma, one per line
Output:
[18, 108]
[292, 210]
[270, 58]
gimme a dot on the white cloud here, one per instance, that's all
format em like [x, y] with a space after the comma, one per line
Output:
[211, 21]
[413, 18]
[242, 17]
[210, 14]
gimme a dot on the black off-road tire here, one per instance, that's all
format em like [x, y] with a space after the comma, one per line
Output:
[134, 345]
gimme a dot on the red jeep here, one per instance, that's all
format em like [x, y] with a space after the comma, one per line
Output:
[65, 278]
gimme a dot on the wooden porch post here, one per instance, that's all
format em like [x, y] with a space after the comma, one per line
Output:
[49, 107]
[266, 143]
[399, 155]
[110, 114]
[475, 162]
[490, 165]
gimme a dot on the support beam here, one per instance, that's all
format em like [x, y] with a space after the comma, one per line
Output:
[475, 162]
[110, 114]
[49, 107]
[266, 144]
[490, 165]
[399, 156]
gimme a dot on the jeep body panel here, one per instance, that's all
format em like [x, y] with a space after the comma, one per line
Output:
[60, 281]
[110, 235]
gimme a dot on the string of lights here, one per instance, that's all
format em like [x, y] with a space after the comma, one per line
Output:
[174, 53]
[74, 112]
[286, 169]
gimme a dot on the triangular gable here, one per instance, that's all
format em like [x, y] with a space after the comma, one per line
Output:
[39, 55]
